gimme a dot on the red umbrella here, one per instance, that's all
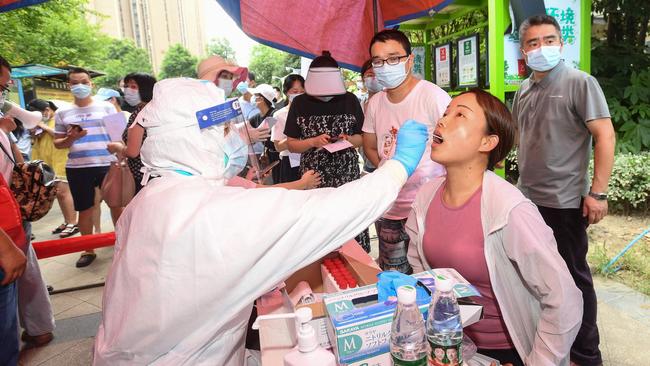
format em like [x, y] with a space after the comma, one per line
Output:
[306, 27]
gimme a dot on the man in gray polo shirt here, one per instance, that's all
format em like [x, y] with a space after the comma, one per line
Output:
[559, 110]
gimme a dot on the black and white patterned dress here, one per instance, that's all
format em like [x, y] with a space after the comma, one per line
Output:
[135, 164]
[310, 117]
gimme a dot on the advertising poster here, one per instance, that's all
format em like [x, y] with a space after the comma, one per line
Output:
[567, 14]
[443, 65]
[468, 61]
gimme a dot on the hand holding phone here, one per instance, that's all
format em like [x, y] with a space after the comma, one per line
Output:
[76, 132]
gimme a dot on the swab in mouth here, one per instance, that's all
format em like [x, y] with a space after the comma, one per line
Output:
[437, 139]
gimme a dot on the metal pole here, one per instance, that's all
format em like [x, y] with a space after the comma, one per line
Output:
[375, 15]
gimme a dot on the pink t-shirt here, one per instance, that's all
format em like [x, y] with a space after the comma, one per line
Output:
[426, 103]
[453, 237]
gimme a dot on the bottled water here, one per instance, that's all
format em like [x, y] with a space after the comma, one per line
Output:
[408, 342]
[444, 327]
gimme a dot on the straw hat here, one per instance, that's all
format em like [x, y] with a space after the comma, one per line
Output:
[209, 68]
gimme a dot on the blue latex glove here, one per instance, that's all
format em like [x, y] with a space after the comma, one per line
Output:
[411, 142]
[390, 281]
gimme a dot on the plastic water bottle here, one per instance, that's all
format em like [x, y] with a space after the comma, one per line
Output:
[444, 327]
[408, 340]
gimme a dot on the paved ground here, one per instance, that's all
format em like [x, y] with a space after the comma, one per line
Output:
[623, 314]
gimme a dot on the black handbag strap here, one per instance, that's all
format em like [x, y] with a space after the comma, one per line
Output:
[6, 153]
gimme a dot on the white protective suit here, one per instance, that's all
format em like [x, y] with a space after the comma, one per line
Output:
[192, 255]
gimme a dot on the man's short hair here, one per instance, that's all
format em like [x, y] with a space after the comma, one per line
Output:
[391, 34]
[4, 63]
[535, 20]
[251, 76]
[78, 70]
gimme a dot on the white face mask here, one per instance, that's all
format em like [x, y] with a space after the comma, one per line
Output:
[226, 85]
[543, 58]
[132, 97]
[236, 154]
[391, 76]
[372, 84]
[291, 96]
[81, 91]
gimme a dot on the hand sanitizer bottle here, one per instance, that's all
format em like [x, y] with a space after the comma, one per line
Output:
[308, 352]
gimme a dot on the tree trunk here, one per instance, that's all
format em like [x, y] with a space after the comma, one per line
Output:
[644, 31]
[613, 28]
[631, 24]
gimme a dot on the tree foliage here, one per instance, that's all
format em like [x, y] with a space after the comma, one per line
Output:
[627, 21]
[178, 61]
[267, 62]
[122, 57]
[621, 63]
[221, 46]
[53, 33]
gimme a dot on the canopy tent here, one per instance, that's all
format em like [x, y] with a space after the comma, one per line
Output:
[35, 70]
[7, 5]
[308, 27]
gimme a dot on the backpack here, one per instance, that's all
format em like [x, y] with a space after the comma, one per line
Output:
[34, 187]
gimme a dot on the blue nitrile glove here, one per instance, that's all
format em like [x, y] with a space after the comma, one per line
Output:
[411, 142]
[389, 282]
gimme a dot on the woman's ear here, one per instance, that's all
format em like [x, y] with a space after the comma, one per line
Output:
[489, 143]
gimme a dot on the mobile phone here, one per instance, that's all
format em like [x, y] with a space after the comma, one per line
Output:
[268, 168]
[334, 139]
[76, 127]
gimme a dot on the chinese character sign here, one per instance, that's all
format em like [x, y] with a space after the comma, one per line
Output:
[567, 14]
[418, 62]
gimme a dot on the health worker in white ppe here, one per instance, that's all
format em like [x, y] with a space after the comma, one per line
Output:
[192, 255]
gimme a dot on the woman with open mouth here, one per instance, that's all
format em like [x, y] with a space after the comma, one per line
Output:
[481, 225]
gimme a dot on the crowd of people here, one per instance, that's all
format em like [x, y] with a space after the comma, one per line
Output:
[219, 238]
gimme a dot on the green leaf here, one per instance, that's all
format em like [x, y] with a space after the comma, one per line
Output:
[628, 126]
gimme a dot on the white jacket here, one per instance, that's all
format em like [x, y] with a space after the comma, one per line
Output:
[539, 301]
[191, 256]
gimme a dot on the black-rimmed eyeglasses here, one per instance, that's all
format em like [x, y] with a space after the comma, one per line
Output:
[393, 60]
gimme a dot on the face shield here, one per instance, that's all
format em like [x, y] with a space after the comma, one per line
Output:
[228, 147]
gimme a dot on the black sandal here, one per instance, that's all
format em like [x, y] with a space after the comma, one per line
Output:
[59, 229]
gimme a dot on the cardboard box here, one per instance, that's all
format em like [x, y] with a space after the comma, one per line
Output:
[359, 326]
[364, 272]
[360, 265]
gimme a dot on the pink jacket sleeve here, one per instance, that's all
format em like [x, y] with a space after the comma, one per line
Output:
[530, 244]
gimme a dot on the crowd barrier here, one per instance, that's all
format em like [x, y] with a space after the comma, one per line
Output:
[57, 247]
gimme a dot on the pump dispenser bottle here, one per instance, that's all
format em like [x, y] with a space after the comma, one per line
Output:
[307, 352]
